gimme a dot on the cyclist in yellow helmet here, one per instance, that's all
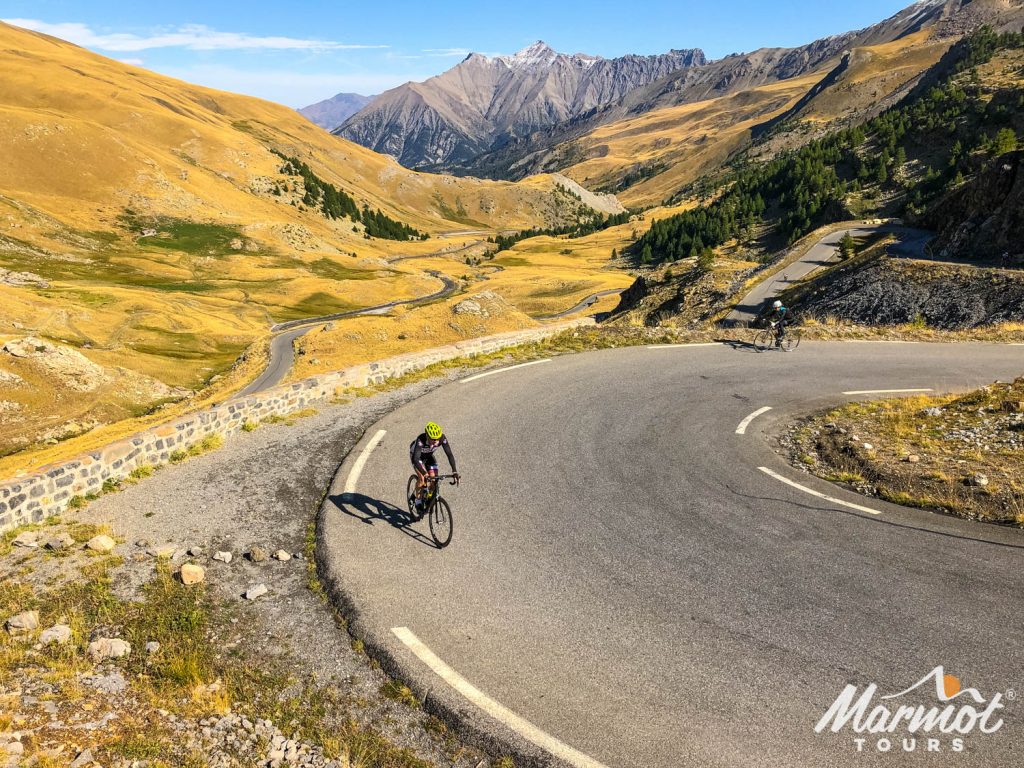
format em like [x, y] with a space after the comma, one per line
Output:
[424, 462]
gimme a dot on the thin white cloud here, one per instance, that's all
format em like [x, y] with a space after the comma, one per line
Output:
[294, 89]
[133, 62]
[195, 37]
[447, 51]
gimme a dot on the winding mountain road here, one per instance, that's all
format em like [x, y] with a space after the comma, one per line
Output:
[638, 579]
[910, 242]
[588, 302]
[282, 343]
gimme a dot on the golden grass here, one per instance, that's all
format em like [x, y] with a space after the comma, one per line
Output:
[940, 476]
[88, 139]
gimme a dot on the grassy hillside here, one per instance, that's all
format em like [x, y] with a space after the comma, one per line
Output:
[648, 158]
[901, 162]
[157, 229]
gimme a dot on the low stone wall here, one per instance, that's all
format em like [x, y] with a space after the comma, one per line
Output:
[47, 491]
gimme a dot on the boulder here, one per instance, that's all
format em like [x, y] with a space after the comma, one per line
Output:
[58, 633]
[192, 574]
[108, 648]
[256, 590]
[23, 622]
[101, 543]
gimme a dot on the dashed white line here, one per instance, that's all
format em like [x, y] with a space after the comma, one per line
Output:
[502, 370]
[886, 391]
[357, 468]
[499, 712]
[742, 428]
[812, 492]
[684, 346]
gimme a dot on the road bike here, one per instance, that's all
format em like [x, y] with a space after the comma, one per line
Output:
[435, 509]
[770, 337]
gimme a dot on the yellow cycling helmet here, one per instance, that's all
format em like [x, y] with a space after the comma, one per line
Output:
[434, 431]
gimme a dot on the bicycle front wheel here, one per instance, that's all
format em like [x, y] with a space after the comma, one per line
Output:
[441, 523]
[764, 340]
[410, 495]
[791, 341]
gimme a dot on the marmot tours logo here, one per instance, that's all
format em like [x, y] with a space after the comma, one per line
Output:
[932, 715]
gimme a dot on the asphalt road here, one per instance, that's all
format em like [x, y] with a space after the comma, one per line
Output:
[911, 243]
[282, 344]
[590, 301]
[625, 577]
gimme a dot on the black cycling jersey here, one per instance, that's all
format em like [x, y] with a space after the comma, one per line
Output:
[421, 452]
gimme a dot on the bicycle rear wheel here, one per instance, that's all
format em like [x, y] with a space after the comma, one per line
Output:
[764, 340]
[410, 490]
[441, 523]
[791, 341]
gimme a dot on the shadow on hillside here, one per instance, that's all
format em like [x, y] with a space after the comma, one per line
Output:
[368, 510]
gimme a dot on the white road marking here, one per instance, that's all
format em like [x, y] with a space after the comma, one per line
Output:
[830, 499]
[357, 468]
[742, 428]
[502, 370]
[683, 346]
[499, 712]
[886, 391]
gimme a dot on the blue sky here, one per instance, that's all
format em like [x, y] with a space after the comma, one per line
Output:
[300, 52]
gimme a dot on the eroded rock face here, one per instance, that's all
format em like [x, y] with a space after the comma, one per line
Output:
[72, 368]
[984, 218]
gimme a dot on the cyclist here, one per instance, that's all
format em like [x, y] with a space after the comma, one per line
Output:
[775, 319]
[424, 462]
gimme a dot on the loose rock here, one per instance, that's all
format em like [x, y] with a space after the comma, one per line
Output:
[58, 633]
[163, 552]
[26, 539]
[23, 622]
[152, 646]
[282, 556]
[192, 574]
[257, 554]
[60, 541]
[100, 543]
[108, 648]
[256, 590]
[224, 557]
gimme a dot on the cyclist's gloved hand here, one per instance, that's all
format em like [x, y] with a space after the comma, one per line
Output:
[457, 477]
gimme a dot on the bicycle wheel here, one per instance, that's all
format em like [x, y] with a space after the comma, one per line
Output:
[441, 523]
[791, 341]
[410, 489]
[764, 340]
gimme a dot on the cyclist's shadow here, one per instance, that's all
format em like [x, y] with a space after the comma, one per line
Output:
[369, 510]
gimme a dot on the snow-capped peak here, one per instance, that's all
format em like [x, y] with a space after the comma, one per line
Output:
[538, 54]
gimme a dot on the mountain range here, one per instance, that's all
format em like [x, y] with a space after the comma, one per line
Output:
[332, 112]
[506, 116]
[484, 101]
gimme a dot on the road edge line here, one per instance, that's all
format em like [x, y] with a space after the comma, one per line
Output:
[502, 370]
[498, 711]
[812, 492]
[357, 468]
[742, 428]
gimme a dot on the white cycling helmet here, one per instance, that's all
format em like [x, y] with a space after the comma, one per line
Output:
[777, 304]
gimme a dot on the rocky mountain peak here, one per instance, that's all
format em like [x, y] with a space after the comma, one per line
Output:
[537, 54]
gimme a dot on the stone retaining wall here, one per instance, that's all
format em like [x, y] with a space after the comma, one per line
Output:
[47, 491]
